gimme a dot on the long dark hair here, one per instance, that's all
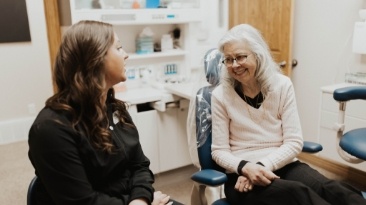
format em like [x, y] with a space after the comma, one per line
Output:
[79, 76]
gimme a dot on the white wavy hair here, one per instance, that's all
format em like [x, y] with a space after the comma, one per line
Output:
[266, 66]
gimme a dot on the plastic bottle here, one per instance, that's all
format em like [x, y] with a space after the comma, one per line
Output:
[136, 4]
[166, 42]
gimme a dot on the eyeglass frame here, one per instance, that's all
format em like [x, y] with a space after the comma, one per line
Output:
[235, 60]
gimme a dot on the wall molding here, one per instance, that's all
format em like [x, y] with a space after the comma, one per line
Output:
[15, 130]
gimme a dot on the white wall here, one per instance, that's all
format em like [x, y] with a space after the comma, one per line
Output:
[25, 77]
[322, 45]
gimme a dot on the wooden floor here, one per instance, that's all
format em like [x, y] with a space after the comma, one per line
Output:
[176, 183]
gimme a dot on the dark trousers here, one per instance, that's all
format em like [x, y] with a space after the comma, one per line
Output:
[299, 184]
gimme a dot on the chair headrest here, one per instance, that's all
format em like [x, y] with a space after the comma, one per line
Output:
[212, 66]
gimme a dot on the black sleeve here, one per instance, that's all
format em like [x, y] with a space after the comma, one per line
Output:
[54, 154]
[142, 177]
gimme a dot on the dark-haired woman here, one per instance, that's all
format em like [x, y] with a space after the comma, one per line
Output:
[83, 144]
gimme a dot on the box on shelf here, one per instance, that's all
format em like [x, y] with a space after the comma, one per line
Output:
[144, 45]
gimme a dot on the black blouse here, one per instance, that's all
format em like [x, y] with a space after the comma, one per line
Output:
[71, 171]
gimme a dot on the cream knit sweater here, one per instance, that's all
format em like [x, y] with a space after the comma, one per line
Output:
[271, 134]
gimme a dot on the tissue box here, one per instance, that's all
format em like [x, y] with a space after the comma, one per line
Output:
[153, 4]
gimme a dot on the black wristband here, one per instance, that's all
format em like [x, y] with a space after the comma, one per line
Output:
[241, 165]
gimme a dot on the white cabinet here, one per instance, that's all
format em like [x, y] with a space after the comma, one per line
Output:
[182, 16]
[355, 118]
[163, 136]
[149, 136]
[173, 144]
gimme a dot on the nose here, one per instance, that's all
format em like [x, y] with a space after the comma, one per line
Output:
[235, 63]
[125, 55]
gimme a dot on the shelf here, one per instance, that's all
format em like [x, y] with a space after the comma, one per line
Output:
[138, 16]
[176, 52]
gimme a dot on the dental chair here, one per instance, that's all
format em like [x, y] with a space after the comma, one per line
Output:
[210, 174]
[352, 144]
[30, 194]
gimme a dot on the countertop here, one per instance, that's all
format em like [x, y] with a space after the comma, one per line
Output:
[330, 88]
[142, 95]
[164, 93]
[185, 90]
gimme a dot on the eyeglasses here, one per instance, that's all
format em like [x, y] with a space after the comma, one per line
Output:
[240, 59]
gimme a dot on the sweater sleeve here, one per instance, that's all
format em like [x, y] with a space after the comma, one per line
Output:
[54, 154]
[291, 129]
[220, 147]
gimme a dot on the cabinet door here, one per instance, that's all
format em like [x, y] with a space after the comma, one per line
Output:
[173, 141]
[146, 123]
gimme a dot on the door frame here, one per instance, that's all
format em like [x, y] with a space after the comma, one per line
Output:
[53, 31]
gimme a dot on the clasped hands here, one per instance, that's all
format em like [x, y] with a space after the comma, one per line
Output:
[254, 174]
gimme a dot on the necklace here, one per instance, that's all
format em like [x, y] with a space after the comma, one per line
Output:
[254, 101]
[261, 118]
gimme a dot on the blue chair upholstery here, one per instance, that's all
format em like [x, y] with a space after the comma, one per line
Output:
[352, 142]
[30, 195]
[210, 173]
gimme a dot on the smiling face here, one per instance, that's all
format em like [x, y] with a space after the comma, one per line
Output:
[242, 72]
[114, 64]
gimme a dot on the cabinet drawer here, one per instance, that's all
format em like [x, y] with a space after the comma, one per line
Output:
[328, 120]
[354, 108]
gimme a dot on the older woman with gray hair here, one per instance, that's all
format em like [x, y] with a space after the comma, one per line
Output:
[256, 131]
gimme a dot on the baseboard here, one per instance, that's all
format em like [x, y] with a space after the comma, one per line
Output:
[344, 172]
[15, 130]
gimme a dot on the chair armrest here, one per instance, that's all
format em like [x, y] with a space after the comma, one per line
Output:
[209, 177]
[312, 147]
[350, 93]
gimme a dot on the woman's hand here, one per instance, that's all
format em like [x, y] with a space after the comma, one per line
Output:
[243, 184]
[138, 202]
[258, 175]
[161, 199]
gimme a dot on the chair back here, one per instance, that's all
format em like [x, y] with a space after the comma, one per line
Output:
[31, 192]
[212, 66]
